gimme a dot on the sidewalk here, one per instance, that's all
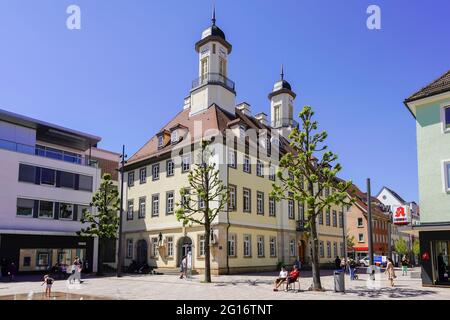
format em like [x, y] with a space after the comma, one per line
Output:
[233, 287]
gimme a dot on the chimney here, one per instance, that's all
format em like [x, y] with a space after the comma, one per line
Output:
[262, 118]
[244, 107]
[187, 103]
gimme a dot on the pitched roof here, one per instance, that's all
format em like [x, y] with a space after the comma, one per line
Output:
[361, 201]
[213, 118]
[440, 85]
[395, 194]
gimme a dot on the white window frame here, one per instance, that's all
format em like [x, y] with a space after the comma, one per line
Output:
[247, 245]
[160, 141]
[232, 200]
[247, 165]
[292, 248]
[143, 175]
[142, 208]
[259, 168]
[155, 171]
[130, 248]
[360, 239]
[155, 205]
[169, 246]
[170, 168]
[249, 198]
[272, 207]
[360, 225]
[445, 176]
[174, 136]
[170, 202]
[201, 245]
[260, 203]
[273, 246]
[130, 213]
[232, 245]
[186, 163]
[232, 159]
[443, 107]
[261, 247]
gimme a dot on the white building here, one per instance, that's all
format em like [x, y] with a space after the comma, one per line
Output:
[392, 199]
[47, 178]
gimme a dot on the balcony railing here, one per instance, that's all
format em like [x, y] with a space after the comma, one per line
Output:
[47, 153]
[213, 78]
[301, 226]
[284, 122]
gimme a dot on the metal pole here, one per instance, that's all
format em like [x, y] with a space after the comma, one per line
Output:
[119, 251]
[369, 222]
[344, 237]
[390, 235]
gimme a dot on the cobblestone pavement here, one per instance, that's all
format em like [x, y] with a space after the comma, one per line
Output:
[234, 287]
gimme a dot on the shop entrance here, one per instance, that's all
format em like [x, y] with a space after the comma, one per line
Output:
[440, 261]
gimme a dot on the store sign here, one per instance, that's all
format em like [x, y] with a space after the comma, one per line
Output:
[401, 215]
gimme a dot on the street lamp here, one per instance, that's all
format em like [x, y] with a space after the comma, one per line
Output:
[119, 251]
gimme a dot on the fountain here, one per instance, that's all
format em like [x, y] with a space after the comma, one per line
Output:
[30, 295]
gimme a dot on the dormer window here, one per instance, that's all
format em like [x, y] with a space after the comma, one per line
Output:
[174, 136]
[160, 141]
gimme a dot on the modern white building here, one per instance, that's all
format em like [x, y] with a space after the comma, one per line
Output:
[47, 178]
[391, 200]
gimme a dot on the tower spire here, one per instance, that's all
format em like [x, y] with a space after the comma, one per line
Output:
[214, 15]
[282, 72]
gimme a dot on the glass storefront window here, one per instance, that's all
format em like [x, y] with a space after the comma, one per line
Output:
[441, 261]
[44, 259]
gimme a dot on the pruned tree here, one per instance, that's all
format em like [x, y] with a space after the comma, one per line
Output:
[350, 241]
[401, 247]
[203, 199]
[103, 221]
[308, 174]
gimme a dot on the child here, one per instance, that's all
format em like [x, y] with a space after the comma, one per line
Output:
[48, 281]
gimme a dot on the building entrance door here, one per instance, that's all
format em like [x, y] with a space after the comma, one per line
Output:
[441, 266]
[301, 251]
[141, 255]
[184, 247]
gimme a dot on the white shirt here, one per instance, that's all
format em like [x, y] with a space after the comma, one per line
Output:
[283, 274]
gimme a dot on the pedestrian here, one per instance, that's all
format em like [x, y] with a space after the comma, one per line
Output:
[48, 281]
[78, 268]
[390, 271]
[337, 263]
[343, 265]
[183, 265]
[281, 278]
[297, 264]
[12, 271]
[292, 277]
[352, 267]
[71, 270]
[405, 263]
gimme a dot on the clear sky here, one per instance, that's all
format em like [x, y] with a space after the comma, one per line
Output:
[126, 72]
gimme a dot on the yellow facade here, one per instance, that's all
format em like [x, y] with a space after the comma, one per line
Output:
[230, 228]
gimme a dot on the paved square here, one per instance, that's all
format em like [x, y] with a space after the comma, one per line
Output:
[235, 287]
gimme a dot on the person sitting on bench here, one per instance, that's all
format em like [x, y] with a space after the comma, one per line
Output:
[293, 276]
[281, 278]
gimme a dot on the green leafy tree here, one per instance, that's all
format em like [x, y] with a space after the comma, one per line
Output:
[202, 201]
[416, 247]
[305, 173]
[350, 241]
[401, 247]
[103, 221]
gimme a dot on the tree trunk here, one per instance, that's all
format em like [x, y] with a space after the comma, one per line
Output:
[207, 253]
[315, 264]
[101, 249]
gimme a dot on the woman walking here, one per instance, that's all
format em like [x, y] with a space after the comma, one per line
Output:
[390, 271]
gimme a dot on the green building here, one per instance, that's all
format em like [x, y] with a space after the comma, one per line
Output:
[430, 106]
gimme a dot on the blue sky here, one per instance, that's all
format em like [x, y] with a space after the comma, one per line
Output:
[126, 72]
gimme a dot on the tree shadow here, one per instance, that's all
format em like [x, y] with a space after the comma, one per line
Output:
[397, 292]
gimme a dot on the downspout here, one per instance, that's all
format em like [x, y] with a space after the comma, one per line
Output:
[228, 221]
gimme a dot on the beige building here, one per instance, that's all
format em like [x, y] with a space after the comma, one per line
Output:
[254, 233]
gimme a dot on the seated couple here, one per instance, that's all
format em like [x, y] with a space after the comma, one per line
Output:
[284, 276]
